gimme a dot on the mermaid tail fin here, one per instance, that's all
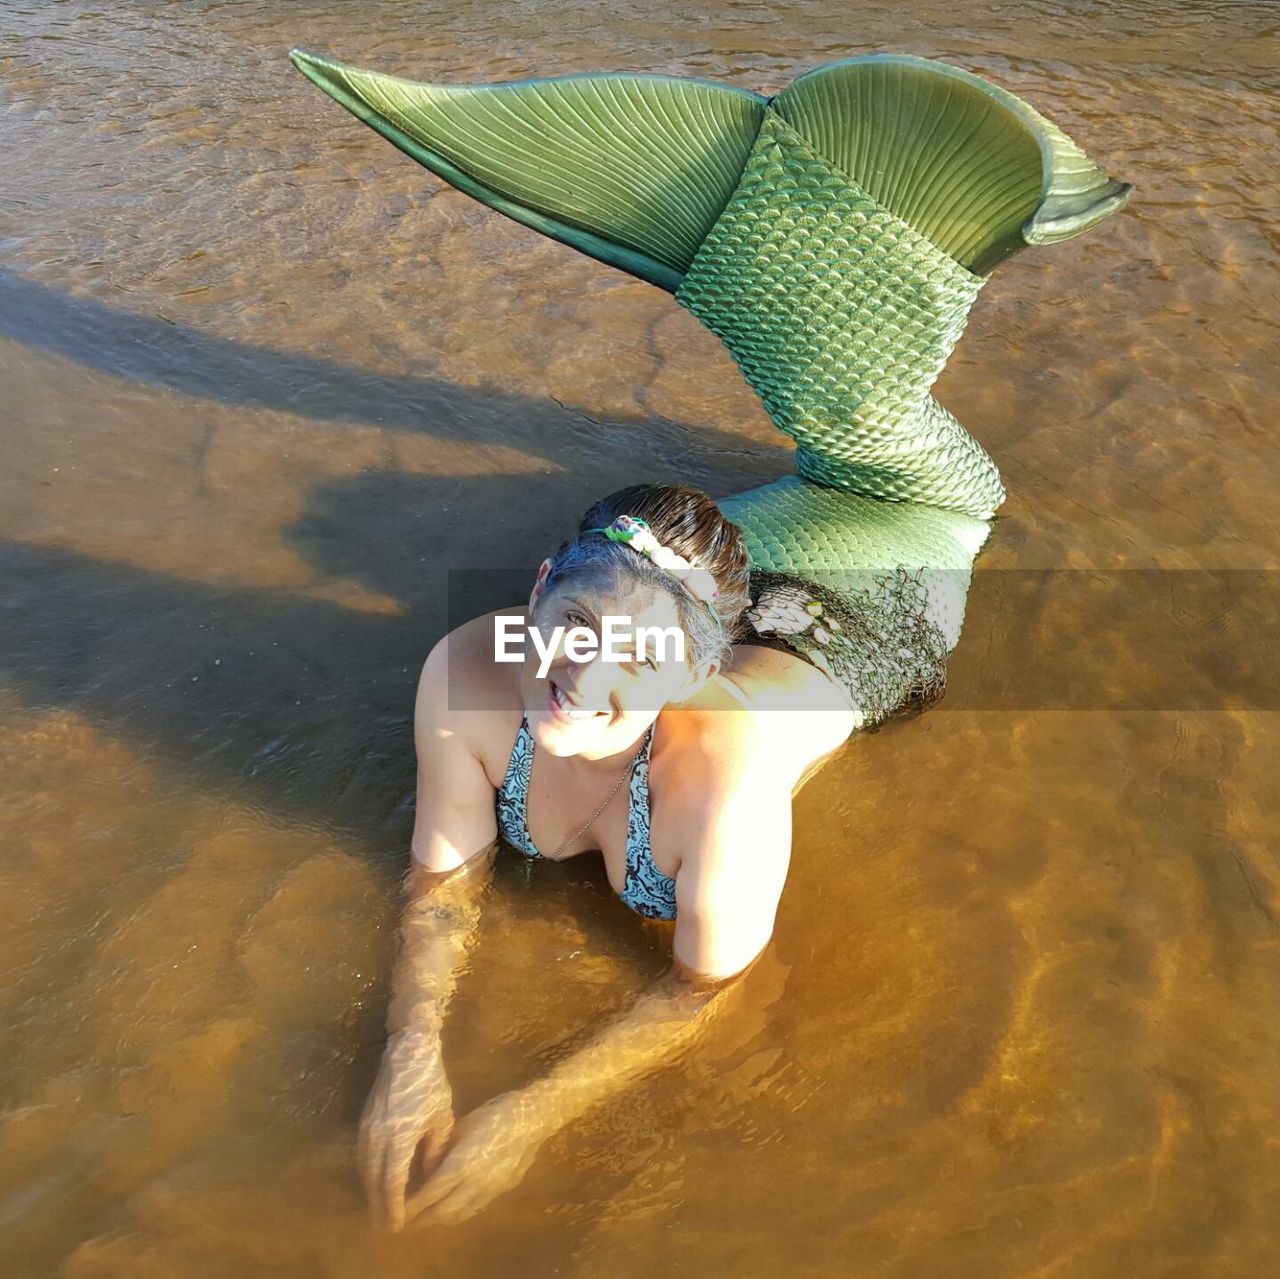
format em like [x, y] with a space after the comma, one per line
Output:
[834, 237]
[922, 178]
[630, 169]
[841, 316]
[880, 193]
[974, 169]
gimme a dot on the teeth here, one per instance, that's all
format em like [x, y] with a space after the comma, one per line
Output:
[564, 705]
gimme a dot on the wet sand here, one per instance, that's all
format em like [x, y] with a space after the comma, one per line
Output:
[266, 381]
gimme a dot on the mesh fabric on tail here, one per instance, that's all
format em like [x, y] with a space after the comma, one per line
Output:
[841, 316]
[877, 642]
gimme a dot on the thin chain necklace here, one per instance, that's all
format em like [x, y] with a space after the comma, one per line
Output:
[622, 778]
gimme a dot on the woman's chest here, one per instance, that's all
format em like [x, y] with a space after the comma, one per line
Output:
[564, 815]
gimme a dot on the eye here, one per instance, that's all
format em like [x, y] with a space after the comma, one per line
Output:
[572, 615]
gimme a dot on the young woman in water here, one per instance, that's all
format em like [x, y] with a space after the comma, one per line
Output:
[840, 292]
[690, 808]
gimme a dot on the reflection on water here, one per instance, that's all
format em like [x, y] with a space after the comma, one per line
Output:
[265, 380]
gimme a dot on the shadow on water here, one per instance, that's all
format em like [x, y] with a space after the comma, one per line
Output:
[267, 688]
[162, 353]
[305, 702]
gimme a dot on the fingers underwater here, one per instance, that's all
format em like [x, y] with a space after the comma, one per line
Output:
[428, 1157]
[446, 1178]
[371, 1156]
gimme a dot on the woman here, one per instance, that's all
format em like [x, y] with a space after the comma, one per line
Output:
[834, 236]
[701, 835]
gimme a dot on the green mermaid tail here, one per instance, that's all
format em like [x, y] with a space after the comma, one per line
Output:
[834, 237]
[841, 316]
[630, 169]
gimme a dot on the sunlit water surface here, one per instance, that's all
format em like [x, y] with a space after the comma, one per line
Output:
[264, 380]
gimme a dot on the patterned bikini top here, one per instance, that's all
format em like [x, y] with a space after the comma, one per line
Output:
[646, 890]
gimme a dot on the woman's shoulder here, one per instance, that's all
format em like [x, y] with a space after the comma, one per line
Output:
[720, 749]
[769, 710]
[725, 810]
[466, 659]
[734, 760]
[477, 696]
[774, 679]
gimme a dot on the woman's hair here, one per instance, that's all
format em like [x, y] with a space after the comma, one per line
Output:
[691, 524]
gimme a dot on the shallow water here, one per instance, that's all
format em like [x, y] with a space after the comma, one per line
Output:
[265, 380]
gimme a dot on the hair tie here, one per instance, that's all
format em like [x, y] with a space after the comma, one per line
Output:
[634, 532]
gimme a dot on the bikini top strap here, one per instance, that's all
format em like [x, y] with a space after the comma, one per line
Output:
[510, 779]
[639, 782]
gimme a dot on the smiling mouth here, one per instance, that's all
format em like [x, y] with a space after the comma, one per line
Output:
[560, 702]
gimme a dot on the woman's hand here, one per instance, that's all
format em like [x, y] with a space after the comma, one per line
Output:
[492, 1149]
[411, 1106]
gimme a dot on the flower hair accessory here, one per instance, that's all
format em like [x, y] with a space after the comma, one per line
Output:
[635, 533]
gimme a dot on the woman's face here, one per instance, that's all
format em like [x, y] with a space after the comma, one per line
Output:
[584, 703]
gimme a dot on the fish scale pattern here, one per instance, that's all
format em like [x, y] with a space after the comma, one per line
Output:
[841, 316]
[848, 542]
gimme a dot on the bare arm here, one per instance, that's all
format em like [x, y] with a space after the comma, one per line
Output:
[436, 931]
[664, 1021]
[409, 1118]
[727, 893]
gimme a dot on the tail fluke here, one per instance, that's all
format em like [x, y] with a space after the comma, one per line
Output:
[971, 167]
[834, 237]
[630, 169]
